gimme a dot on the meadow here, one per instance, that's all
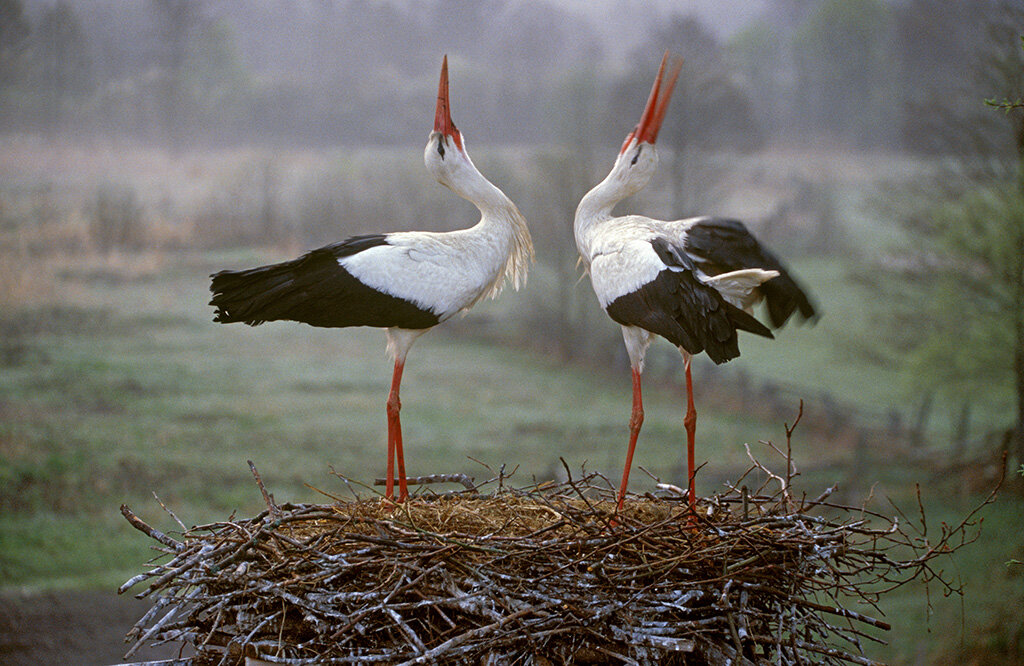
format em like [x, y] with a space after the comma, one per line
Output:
[116, 385]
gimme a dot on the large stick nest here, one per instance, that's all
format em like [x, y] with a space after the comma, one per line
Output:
[545, 574]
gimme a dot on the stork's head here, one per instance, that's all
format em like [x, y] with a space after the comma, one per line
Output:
[445, 154]
[637, 158]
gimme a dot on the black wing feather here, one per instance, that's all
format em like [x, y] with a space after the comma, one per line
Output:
[721, 245]
[314, 289]
[684, 310]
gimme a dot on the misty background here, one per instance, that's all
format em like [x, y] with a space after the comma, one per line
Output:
[875, 145]
[189, 73]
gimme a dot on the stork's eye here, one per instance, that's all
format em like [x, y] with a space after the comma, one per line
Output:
[637, 156]
[440, 146]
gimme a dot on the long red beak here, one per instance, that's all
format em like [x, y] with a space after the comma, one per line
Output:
[657, 103]
[443, 122]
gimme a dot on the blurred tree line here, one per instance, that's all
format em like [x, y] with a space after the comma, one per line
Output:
[205, 72]
[952, 306]
[295, 72]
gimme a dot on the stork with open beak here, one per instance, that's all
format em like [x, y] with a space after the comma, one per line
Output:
[405, 282]
[693, 282]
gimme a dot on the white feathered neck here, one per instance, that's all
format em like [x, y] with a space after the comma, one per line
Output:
[499, 216]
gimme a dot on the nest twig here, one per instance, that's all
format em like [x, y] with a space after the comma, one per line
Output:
[538, 575]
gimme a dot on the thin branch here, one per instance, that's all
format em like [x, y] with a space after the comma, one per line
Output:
[153, 533]
[465, 480]
[267, 497]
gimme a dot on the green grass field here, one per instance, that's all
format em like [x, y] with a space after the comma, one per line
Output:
[115, 385]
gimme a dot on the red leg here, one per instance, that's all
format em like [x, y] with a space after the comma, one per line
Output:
[394, 406]
[635, 421]
[690, 422]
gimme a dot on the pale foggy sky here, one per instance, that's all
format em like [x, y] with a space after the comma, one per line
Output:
[724, 16]
[623, 23]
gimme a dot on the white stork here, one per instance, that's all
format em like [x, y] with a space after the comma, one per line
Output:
[406, 282]
[692, 281]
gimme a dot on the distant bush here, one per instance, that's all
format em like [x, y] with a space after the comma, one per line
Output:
[116, 219]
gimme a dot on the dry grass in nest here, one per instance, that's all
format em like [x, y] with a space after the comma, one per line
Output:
[538, 575]
[507, 515]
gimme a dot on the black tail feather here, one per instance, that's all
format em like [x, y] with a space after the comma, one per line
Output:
[744, 321]
[783, 297]
[252, 296]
